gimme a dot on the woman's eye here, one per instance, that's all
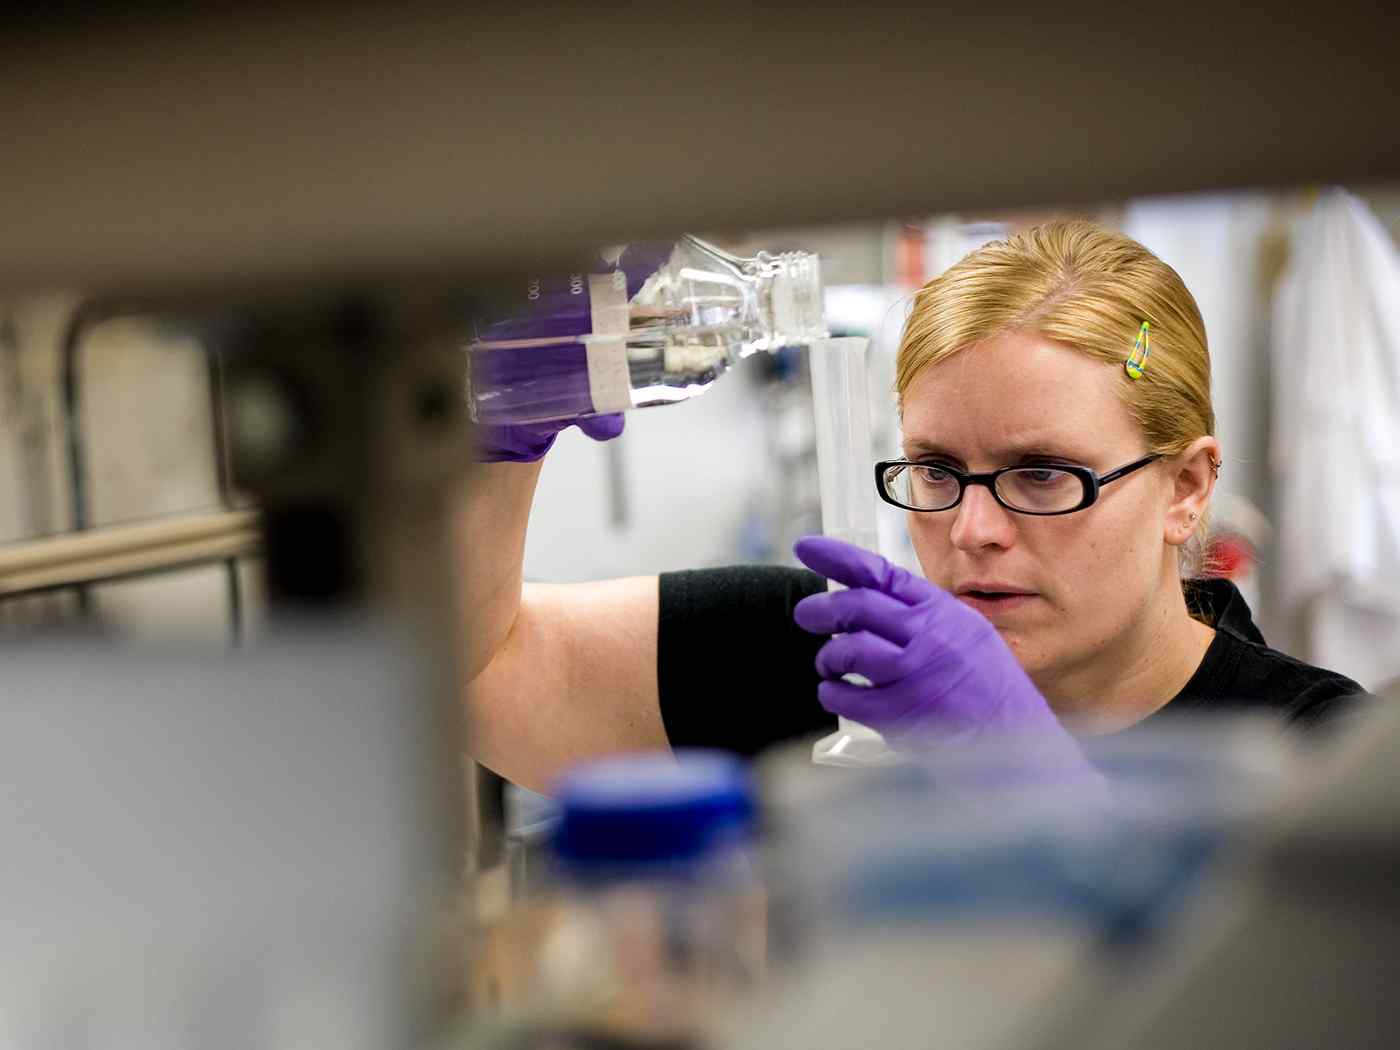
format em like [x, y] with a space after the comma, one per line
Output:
[931, 475]
[1043, 477]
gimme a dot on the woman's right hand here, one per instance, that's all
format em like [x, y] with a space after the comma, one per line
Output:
[528, 442]
[939, 672]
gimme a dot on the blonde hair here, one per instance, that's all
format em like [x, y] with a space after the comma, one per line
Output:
[1089, 289]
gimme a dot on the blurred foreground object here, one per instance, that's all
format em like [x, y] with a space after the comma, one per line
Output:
[216, 850]
[1229, 891]
[654, 923]
[1294, 946]
[960, 901]
[266, 848]
[278, 141]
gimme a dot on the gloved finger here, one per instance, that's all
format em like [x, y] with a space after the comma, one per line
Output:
[871, 706]
[860, 609]
[602, 428]
[856, 567]
[512, 444]
[864, 654]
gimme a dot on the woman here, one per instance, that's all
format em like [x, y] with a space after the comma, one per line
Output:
[1058, 463]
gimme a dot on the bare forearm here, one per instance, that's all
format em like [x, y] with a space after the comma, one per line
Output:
[575, 679]
[491, 517]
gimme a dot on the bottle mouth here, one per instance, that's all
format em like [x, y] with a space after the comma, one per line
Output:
[798, 308]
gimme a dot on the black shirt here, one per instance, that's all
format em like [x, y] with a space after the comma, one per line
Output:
[735, 672]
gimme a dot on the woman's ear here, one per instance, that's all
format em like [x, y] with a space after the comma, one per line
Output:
[1196, 470]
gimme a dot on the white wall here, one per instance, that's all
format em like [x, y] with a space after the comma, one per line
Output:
[691, 474]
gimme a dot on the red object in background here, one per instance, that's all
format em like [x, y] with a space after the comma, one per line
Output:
[909, 262]
[1229, 556]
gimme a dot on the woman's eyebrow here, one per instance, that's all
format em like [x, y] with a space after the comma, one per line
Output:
[921, 450]
[918, 447]
[1043, 449]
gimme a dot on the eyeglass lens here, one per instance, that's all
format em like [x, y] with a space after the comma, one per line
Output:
[1035, 490]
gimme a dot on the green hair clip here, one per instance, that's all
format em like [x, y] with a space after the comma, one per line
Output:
[1137, 360]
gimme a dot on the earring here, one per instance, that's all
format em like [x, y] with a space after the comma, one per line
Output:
[1215, 467]
[1193, 515]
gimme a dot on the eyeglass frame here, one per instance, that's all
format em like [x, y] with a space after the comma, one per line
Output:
[1091, 480]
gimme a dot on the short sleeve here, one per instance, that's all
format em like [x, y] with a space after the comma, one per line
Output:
[733, 669]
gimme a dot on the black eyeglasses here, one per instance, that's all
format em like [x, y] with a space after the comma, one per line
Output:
[1040, 489]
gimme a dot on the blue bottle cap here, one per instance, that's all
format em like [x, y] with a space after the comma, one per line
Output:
[638, 813]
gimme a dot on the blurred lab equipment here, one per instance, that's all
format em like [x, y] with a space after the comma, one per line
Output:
[76, 437]
[1335, 446]
[275, 834]
[137, 535]
[1287, 946]
[531, 820]
[219, 849]
[652, 921]
[961, 899]
[656, 326]
[841, 409]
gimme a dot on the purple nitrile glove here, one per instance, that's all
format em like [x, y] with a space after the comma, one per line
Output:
[527, 442]
[939, 672]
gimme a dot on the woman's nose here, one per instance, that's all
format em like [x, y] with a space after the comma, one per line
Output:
[981, 521]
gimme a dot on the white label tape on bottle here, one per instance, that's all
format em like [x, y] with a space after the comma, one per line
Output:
[609, 381]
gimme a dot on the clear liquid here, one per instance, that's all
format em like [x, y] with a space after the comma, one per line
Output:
[524, 385]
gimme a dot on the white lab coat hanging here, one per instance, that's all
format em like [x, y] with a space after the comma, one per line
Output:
[1335, 450]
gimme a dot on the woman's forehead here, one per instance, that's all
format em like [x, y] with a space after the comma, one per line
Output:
[1013, 392]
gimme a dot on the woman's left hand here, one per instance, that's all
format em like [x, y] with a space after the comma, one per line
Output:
[939, 672]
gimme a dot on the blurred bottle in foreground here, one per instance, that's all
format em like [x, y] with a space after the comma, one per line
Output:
[653, 326]
[975, 899]
[655, 920]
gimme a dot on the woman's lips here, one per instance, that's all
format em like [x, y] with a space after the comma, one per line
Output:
[994, 603]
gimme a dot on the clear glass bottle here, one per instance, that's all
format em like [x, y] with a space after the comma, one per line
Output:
[653, 326]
